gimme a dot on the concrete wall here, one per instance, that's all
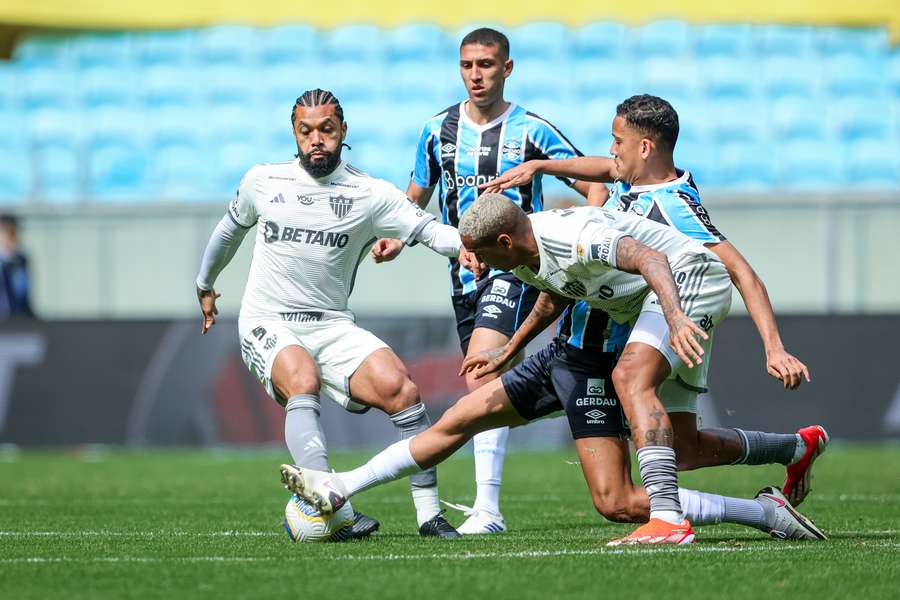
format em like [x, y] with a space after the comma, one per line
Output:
[816, 255]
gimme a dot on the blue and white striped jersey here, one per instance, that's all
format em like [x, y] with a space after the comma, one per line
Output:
[460, 155]
[674, 203]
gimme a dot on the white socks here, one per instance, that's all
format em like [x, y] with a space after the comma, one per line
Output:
[490, 449]
[392, 463]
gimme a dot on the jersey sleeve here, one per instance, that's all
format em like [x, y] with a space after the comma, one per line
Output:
[689, 217]
[427, 171]
[551, 143]
[597, 244]
[242, 208]
[395, 216]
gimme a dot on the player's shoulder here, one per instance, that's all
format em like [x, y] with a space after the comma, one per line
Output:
[436, 121]
[538, 122]
[286, 170]
[681, 190]
[355, 178]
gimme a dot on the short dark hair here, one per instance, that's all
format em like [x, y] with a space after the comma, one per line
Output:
[9, 220]
[318, 97]
[485, 36]
[653, 117]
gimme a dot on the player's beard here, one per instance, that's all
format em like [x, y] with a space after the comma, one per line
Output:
[319, 168]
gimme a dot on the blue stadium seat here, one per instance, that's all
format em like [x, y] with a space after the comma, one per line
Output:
[693, 122]
[356, 43]
[725, 78]
[118, 173]
[168, 85]
[230, 125]
[58, 174]
[663, 38]
[732, 121]
[49, 126]
[601, 39]
[228, 85]
[603, 78]
[794, 120]
[113, 127]
[698, 158]
[175, 47]
[807, 165]
[228, 45]
[293, 44]
[457, 36]
[847, 75]
[545, 41]
[893, 73]
[46, 87]
[860, 118]
[418, 42]
[106, 86]
[109, 50]
[9, 82]
[430, 83]
[670, 78]
[538, 80]
[785, 76]
[352, 81]
[175, 126]
[15, 177]
[745, 166]
[864, 42]
[231, 161]
[182, 173]
[874, 164]
[281, 85]
[392, 166]
[785, 40]
[43, 51]
[726, 40]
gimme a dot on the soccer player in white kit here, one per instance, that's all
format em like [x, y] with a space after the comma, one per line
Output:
[315, 219]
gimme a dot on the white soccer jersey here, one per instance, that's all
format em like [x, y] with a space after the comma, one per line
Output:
[578, 258]
[311, 235]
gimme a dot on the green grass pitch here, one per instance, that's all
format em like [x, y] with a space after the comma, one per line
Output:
[185, 524]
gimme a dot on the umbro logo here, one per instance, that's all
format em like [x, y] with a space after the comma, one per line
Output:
[491, 311]
[448, 149]
[595, 414]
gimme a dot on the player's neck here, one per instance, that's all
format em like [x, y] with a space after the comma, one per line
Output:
[657, 172]
[483, 115]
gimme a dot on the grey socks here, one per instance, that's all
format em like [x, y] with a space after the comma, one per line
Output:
[760, 448]
[303, 433]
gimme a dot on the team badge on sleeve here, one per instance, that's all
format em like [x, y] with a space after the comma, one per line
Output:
[340, 205]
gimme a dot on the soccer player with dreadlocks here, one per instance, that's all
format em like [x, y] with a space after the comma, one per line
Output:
[315, 219]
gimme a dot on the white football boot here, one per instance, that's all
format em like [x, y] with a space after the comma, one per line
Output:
[323, 490]
[783, 520]
[479, 522]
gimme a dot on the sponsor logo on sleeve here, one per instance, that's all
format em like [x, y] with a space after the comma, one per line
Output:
[602, 251]
[448, 150]
[500, 287]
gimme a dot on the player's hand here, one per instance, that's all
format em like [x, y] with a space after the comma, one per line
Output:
[786, 368]
[208, 308]
[519, 175]
[470, 261]
[683, 335]
[386, 249]
[485, 363]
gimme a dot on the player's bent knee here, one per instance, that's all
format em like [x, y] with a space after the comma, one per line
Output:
[613, 506]
[399, 392]
[294, 381]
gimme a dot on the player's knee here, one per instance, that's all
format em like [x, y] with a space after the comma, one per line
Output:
[458, 419]
[613, 506]
[297, 380]
[687, 455]
[399, 392]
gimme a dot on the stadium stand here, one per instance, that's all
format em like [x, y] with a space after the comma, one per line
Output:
[134, 116]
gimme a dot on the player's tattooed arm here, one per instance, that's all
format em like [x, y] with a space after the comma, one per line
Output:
[634, 257]
[546, 310]
[779, 362]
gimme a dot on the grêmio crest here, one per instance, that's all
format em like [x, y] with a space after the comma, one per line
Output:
[340, 205]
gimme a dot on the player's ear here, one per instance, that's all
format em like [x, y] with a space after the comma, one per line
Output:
[647, 146]
[343, 131]
[504, 241]
[507, 67]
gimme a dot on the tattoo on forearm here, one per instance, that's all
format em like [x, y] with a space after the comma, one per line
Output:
[634, 257]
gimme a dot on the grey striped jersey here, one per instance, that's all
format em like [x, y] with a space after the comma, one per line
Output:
[311, 234]
[578, 258]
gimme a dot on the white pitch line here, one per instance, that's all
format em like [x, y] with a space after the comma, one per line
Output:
[148, 534]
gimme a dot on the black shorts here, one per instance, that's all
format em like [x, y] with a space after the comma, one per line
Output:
[562, 377]
[501, 303]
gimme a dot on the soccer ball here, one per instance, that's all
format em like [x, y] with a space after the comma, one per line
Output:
[304, 523]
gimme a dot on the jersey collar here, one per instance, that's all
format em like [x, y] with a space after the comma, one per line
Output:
[464, 116]
[683, 177]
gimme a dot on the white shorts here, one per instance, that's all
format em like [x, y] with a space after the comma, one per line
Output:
[336, 344]
[705, 290]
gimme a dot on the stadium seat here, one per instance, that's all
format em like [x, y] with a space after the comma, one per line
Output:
[353, 43]
[847, 75]
[693, 122]
[723, 40]
[353, 81]
[541, 41]
[432, 83]
[175, 126]
[293, 44]
[603, 78]
[168, 85]
[9, 82]
[175, 47]
[698, 158]
[785, 40]
[108, 50]
[865, 42]
[282, 84]
[228, 45]
[50, 126]
[43, 51]
[58, 174]
[728, 78]
[731, 121]
[785, 76]
[670, 78]
[46, 87]
[893, 73]
[874, 164]
[663, 38]
[601, 40]
[808, 165]
[794, 120]
[118, 173]
[392, 166]
[860, 118]
[113, 127]
[539, 80]
[15, 177]
[181, 173]
[417, 43]
[106, 86]
[744, 166]
[596, 119]
[226, 125]
[230, 162]
[226, 85]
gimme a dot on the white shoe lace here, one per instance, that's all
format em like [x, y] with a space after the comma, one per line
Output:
[465, 510]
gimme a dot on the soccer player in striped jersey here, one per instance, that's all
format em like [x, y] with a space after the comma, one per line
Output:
[647, 184]
[465, 145]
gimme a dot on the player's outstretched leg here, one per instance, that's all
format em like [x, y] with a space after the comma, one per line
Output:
[814, 439]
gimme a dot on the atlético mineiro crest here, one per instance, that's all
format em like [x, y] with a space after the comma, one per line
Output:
[340, 205]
